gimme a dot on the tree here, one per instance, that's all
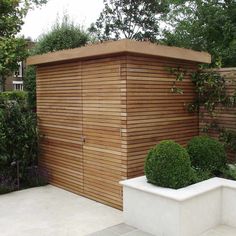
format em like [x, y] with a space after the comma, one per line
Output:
[64, 35]
[205, 26]
[12, 49]
[12, 13]
[133, 19]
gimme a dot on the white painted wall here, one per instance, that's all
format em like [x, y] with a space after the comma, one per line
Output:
[188, 211]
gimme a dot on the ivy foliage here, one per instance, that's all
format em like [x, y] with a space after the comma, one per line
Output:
[180, 74]
[211, 91]
[139, 19]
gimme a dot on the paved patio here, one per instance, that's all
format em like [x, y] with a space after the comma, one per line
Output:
[49, 211]
[126, 230]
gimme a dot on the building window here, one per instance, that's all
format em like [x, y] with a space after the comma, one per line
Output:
[18, 85]
[19, 72]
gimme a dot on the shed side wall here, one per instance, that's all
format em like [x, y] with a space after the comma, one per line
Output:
[154, 113]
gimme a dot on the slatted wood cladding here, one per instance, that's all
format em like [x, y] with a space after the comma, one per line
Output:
[81, 147]
[103, 167]
[153, 112]
[224, 117]
[100, 115]
[59, 109]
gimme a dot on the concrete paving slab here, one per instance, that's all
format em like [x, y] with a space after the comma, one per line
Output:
[138, 233]
[120, 230]
[52, 211]
[221, 230]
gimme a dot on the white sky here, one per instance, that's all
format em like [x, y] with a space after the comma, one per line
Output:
[40, 20]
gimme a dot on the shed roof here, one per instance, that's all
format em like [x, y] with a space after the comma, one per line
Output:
[121, 46]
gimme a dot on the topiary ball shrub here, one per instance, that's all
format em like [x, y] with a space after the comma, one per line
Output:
[168, 165]
[207, 154]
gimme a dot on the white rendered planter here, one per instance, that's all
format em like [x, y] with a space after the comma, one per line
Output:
[188, 211]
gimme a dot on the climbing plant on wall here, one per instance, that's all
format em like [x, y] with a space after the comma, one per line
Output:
[211, 90]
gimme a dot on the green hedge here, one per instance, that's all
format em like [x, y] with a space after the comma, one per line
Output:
[18, 144]
[207, 154]
[18, 137]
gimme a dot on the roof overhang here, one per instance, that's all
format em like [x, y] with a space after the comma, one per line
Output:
[119, 47]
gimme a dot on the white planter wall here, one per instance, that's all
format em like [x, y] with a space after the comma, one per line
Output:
[229, 206]
[137, 212]
[188, 211]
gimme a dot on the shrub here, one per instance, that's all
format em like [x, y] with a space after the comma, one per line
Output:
[168, 165]
[201, 175]
[36, 176]
[18, 138]
[6, 182]
[30, 86]
[229, 172]
[207, 154]
[17, 96]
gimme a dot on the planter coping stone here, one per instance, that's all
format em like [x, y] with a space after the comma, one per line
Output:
[182, 194]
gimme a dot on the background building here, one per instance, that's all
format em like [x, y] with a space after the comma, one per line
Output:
[15, 81]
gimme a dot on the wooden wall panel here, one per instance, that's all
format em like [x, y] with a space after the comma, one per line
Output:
[101, 116]
[225, 117]
[153, 112]
[59, 108]
[102, 155]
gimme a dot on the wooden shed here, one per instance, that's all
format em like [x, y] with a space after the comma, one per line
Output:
[102, 107]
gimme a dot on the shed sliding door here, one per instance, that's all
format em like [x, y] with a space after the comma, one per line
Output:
[79, 109]
[101, 129]
[59, 108]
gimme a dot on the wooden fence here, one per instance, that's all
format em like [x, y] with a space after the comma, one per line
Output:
[224, 117]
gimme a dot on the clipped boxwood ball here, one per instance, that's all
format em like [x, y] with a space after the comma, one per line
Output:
[168, 165]
[206, 153]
